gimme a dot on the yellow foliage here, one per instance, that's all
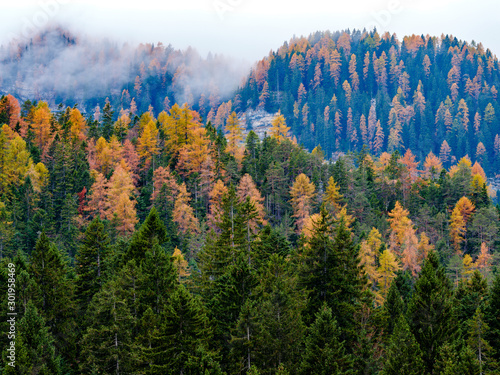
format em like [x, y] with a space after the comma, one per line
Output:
[180, 264]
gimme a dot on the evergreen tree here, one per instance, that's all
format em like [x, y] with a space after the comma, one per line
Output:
[431, 311]
[403, 354]
[49, 271]
[90, 261]
[324, 352]
[183, 331]
[35, 351]
[108, 343]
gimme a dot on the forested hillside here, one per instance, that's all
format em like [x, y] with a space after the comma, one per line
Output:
[154, 243]
[142, 233]
[343, 90]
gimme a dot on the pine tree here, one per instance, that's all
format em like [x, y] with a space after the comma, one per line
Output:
[183, 328]
[107, 343]
[492, 317]
[324, 352]
[431, 313]
[403, 354]
[49, 271]
[89, 263]
[35, 351]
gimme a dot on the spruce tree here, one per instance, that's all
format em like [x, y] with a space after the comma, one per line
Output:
[324, 352]
[403, 355]
[182, 330]
[151, 231]
[49, 270]
[89, 263]
[431, 312]
[492, 317]
[35, 350]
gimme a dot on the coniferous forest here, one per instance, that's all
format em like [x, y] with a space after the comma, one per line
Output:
[148, 230]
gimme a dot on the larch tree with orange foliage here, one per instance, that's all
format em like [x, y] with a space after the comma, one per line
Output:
[399, 222]
[120, 201]
[302, 194]
[410, 172]
[193, 155]
[410, 254]
[41, 128]
[432, 166]
[97, 198]
[216, 210]
[124, 215]
[247, 189]
[183, 214]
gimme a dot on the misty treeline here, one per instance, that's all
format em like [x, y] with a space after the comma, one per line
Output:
[59, 66]
[156, 243]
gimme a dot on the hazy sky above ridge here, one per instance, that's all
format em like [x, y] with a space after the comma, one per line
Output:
[249, 29]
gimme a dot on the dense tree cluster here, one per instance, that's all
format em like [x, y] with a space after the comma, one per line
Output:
[156, 244]
[343, 90]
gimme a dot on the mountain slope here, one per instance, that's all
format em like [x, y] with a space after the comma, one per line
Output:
[343, 90]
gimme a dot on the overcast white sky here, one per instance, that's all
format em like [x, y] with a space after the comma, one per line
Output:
[249, 29]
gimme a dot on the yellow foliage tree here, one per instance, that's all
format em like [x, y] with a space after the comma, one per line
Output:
[78, 126]
[180, 264]
[332, 196]
[147, 144]
[279, 129]
[302, 193]
[183, 214]
[389, 265]
[457, 228]
[247, 189]
[399, 222]
[234, 134]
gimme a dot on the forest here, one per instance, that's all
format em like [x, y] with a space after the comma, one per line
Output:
[164, 241]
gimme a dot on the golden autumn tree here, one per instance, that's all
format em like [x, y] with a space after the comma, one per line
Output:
[41, 128]
[279, 129]
[234, 134]
[162, 178]
[180, 264]
[302, 194]
[15, 160]
[432, 166]
[399, 222]
[247, 189]
[332, 197]
[409, 258]
[178, 127]
[183, 214]
[120, 201]
[466, 208]
[192, 156]
[147, 144]
[124, 215]
[215, 212]
[97, 199]
[457, 228]
[389, 265]
[78, 125]
[368, 255]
